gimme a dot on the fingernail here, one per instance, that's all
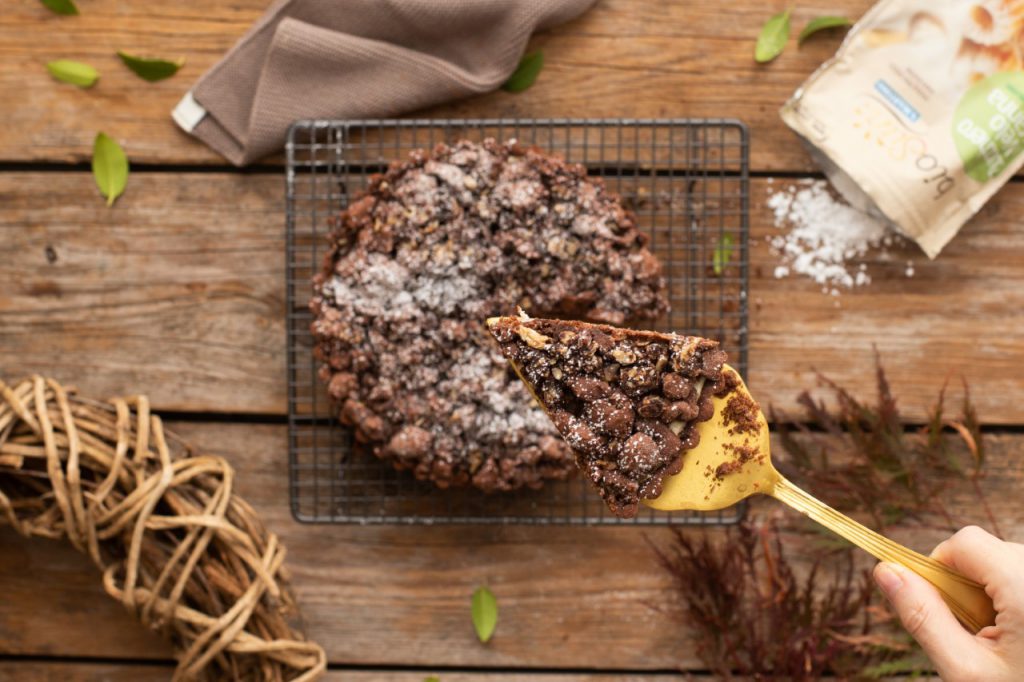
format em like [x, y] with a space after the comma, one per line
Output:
[889, 578]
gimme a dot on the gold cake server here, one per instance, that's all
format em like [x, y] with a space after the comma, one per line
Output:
[697, 486]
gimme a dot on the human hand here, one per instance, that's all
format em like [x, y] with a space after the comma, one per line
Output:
[996, 653]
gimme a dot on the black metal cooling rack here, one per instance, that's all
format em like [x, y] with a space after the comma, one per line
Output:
[687, 182]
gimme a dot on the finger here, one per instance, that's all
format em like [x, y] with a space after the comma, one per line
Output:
[926, 617]
[982, 557]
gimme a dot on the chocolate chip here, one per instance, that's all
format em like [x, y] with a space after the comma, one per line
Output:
[615, 487]
[553, 448]
[553, 393]
[410, 442]
[602, 340]
[368, 425]
[381, 393]
[620, 399]
[588, 388]
[340, 360]
[712, 362]
[679, 410]
[591, 364]
[690, 437]
[362, 361]
[707, 407]
[577, 433]
[675, 386]
[639, 454]
[441, 469]
[651, 407]
[638, 378]
[607, 418]
[669, 444]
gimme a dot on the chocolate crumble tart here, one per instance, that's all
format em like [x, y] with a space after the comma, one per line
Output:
[433, 247]
[628, 402]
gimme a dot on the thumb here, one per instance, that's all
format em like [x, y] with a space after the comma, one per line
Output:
[925, 616]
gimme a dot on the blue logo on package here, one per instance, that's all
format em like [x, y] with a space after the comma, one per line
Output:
[896, 100]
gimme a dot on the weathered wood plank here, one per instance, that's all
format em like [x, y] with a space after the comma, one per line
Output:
[105, 672]
[102, 672]
[178, 288]
[390, 595]
[187, 304]
[623, 58]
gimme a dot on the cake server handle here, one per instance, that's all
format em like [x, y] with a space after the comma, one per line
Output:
[966, 598]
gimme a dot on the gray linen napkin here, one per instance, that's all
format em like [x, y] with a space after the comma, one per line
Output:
[349, 59]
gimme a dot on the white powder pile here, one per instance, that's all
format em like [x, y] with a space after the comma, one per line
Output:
[826, 237]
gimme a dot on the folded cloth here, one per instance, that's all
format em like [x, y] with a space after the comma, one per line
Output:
[346, 59]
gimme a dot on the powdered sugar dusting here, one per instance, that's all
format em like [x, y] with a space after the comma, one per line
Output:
[826, 237]
[499, 406]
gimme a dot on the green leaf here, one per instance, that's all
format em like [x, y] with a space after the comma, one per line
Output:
[73, 72]
[526, 73]
[722, 254]
[820, 24]
[109, 167]
[66, 7]
[485, 613]
[773, 37]
[432, 678]
[151, 70]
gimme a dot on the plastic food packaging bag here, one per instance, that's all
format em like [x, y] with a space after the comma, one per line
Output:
[919, 117]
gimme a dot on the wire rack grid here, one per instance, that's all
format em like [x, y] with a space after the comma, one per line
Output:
[686, 181]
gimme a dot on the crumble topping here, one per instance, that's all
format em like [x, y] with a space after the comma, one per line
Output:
[431, 249]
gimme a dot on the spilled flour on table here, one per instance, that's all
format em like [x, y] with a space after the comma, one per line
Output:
[825, 238]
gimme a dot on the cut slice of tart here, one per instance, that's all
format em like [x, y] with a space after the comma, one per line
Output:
[627, 402]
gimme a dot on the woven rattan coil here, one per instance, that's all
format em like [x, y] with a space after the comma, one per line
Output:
[175, 544]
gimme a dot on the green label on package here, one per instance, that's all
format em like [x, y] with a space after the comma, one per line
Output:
[988, 126]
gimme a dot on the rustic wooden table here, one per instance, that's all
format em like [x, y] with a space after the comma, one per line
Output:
[178, 292]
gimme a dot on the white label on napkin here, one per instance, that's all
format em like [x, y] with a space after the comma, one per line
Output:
[188, 113]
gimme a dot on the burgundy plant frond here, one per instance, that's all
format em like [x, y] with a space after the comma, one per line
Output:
[755, 617]
[866, 449]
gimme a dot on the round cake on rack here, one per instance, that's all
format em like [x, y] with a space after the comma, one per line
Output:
[422, 258]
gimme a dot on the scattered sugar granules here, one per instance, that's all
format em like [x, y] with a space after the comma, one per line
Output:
[825, 237]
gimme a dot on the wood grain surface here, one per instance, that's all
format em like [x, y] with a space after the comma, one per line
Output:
[390, 595]
[179, 291]
[673, 58]
[104, 672]
[92, 672]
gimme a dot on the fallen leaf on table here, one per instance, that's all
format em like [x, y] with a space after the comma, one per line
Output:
[109, 167]
[485, 613]
[722, 254]
[773, 37]
[70, 71]
[151, 70]
[66, 7]
[526, 73]
[820, 24]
